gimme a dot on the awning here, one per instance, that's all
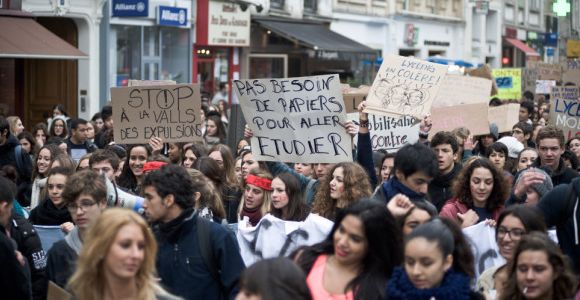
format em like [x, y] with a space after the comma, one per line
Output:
[315, 36]
[523, 47]
[25, 38]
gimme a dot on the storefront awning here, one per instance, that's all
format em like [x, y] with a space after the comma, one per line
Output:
[315, 36]
[25, 38]
[522, 47]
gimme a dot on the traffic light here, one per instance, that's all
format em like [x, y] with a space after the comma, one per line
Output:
[505, 60]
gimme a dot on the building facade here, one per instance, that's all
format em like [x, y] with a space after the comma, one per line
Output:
[483, 43]
[523, 32]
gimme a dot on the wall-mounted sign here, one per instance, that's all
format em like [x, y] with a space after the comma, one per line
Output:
[172, 16]
[130, 8]
[228, 25]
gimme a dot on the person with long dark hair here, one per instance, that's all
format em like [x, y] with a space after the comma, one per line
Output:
[356, 259]
[132, 175]
[230, 199]
[287, 199]
[438, 264]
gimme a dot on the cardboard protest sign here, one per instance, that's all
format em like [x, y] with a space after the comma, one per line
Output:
[405, 86]
[573, 48]
[296, 119]
[572, 72]
[390, 133]
[353, 97]
[504, 116]
[462, 101]
[273, 237]
[565, 112]
[172, 112]
[483, 246]
[134, 82]
[549, 71]
[544, 86]
[509, 83]
[484, 72]
[529, 77]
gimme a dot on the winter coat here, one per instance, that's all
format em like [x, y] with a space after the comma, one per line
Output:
[453, 206]
[440, 187]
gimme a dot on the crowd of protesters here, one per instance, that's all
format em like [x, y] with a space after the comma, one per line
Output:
[397, 217]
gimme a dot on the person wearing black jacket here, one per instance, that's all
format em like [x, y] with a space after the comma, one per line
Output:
[11, 153]
[445, 146]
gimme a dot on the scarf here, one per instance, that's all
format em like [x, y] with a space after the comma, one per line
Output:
[37, 186]
[172, 229]
[393, 187]
[48, 214]
[73, 240]
[455, 286]
[255, 215]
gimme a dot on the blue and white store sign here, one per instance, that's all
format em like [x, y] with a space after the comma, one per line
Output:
[172, 16]
[130, 8]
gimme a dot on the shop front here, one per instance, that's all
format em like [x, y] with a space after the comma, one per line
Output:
[515, 52]
[223, 30]
[148, 40]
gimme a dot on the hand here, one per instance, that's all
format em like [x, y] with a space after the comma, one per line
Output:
[490, 222]
[248, 133]
[399, 205]
[362, 115]
[468, 219]
[67, 227]
[351, 128]
[468, 144]
[528, 179]
[156, 144]
[426, 123]
[20, 258]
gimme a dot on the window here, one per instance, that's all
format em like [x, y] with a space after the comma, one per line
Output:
[128, 54]
[521, 19]
[278, 4]
[310, 5]
[534, 19]
[509, 13]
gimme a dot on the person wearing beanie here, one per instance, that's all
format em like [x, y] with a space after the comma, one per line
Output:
[538, 190]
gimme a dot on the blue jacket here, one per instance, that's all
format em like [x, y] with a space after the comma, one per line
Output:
[182, 268]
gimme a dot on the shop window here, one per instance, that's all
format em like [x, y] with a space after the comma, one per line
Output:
[175, 54]
[407, 52]
[268, 66]
[310, 5]
[127, 61]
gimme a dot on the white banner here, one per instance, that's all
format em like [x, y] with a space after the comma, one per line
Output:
[484, 247]
[273, 237]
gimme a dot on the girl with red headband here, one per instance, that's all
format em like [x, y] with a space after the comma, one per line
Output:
[257, 196]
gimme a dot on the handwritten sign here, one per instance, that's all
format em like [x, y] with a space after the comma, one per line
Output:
[566, 109]
[572, 72]
[391, 133]
[273, 237]
[504, 116]
[483, 246]
[484, 72]
[134, 82]
[353, 97]
[458, 90]
[296, 119]
[171, 112]
[405, 86]
[529, 77]
[573, 48]
[549, 71]
[544, 86]
[509, 83]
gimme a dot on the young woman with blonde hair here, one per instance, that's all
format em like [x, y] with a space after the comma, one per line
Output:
[257, 196]
[117, 260]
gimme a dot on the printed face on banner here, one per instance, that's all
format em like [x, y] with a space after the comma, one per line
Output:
[171, 112]
[296, 119]
[405, 86]
[566, 110]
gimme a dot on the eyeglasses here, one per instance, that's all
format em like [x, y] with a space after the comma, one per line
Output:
[515, 234]
[84, 205]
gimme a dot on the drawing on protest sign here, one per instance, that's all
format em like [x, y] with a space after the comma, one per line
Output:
[462, 101]
[296, 119]
[405, 86]
[565, 112]
[390, 133]
[504, 116]
[273, 237]
[509, 83]
[483, 246]
[572, 72]
[171, 112]
[545, 86]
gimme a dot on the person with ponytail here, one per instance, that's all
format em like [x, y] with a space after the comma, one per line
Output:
[438, 264]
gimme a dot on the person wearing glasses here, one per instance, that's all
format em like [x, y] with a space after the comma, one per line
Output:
[85, 197]
[513, 223]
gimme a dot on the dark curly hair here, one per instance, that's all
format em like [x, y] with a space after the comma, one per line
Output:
[172, 180]
[500, 190]
[356, 186]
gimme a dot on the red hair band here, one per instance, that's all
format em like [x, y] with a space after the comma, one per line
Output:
[152, 166]
[263, 183]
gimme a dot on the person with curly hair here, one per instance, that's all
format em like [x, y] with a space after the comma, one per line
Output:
[539, 270]
[480, 191]
[346, 183]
